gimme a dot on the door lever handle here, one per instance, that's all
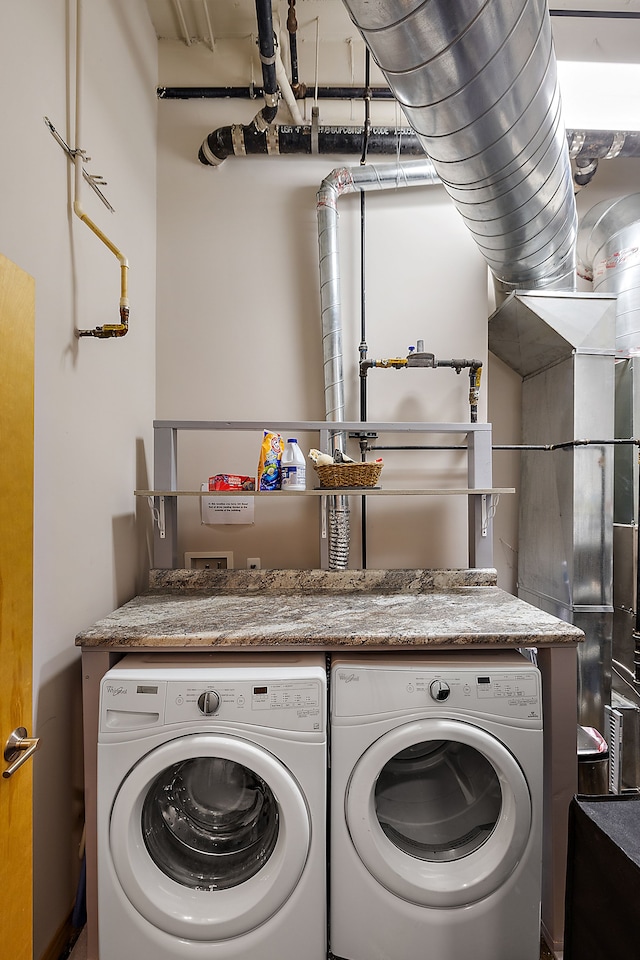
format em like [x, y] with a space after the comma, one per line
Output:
[18, 748]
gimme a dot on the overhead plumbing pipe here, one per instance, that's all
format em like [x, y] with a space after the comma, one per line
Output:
[267, 48]
[254, 132]
[284, 140]
[106, 330]
[340, 181]
[287, 92]
[586, 146]
[477, 81]
[292, 29]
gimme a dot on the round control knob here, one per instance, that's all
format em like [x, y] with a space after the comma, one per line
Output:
[208, 702]
[439, 690]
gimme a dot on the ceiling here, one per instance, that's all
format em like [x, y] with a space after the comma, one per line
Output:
[193, 21]
[212, 45]
[607, 30]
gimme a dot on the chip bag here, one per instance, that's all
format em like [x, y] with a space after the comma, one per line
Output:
[269, 465]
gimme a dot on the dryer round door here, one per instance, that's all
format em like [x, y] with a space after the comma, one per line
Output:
[439, 812]
[209, 836]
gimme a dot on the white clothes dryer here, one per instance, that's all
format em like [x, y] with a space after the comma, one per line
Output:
[436, 807]
[212, 808]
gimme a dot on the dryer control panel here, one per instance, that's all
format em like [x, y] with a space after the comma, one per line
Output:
[510, 692]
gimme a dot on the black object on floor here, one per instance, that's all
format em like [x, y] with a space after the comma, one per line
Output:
[603, 878]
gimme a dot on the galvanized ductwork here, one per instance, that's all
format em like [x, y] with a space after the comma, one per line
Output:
[609, 254]
[477, 82]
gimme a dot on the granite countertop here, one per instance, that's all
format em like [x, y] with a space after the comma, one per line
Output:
[322, 609]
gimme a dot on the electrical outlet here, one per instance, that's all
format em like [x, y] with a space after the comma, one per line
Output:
[209, 560]
[253, 563]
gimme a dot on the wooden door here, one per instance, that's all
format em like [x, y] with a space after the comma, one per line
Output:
[17, 309]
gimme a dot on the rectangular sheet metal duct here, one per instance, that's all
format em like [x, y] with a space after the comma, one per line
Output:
[563, 346]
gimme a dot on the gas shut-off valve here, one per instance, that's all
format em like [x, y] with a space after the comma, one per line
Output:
[418, 357]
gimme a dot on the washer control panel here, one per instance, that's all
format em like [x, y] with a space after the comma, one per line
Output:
[129, 704]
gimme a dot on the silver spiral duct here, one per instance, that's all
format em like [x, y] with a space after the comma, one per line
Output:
[340, 181]
[608, 251]
[477, 81]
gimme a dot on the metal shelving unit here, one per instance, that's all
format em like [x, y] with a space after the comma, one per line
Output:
[480, 493]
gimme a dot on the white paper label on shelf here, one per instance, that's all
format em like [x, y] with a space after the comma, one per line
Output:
[226, 509]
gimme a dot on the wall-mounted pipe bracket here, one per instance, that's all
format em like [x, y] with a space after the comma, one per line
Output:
[95, 180]
[79, 157]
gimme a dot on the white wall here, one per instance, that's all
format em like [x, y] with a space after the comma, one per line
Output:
[94, 399]
[239, 334]
[238, 338]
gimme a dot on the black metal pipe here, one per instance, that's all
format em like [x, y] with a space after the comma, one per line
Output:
[585, 170]
[367, 107]
[343, 140]
[409, 446]
[637, 629]
[603, 144]
[253, 92]
[267, 48]
[597, 14]
[292, 27]
[223, 142]
[363, 309]
[363, 379]
[509, 446]
[241, 140]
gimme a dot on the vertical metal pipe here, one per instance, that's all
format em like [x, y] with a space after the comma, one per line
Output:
[363, 354]
[347, 180]
[292, 27]
[367, 106]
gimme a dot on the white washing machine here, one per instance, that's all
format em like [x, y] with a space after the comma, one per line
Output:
[212, 808]
[436, 807]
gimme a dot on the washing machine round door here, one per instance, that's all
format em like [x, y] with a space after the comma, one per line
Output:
[439, 812]
[209, 836]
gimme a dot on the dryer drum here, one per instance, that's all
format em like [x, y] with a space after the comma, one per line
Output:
[209, 823]
[438, 800]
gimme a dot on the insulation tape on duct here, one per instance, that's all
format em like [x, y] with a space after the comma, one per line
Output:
[273, 141]
[237, 138]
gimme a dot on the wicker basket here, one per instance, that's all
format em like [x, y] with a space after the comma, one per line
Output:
[349, 474]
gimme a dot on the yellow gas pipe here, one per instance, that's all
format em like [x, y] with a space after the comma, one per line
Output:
[107, 329]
